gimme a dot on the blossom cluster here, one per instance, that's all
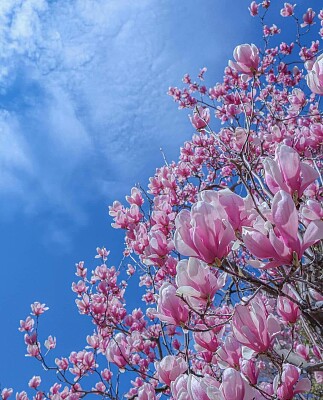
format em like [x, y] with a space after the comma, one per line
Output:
[226, 247]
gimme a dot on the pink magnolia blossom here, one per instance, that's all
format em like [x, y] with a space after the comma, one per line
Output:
[199, 388]
[229, 206]
[146, 392]
[290, 384]
[286, 308]
[197, 282]
[230, 353]
[38, 308]
[233, 386]
[205, 339]
[118, 350]
[287, 10]
[6, 393]
[179, 388]
[50, 343]
[314, 77]
[170, 308]
[253, 8]
[250, 370]
[282, 242]
[286, 172]
[34, 382]
[201, 233]
[308, 17]
[169, 368]
[200, 117]
[254, 327]
[247, 59]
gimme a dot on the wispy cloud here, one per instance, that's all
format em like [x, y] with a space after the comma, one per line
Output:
[83, 86]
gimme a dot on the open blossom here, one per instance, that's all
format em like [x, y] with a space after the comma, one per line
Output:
[200, 117]
[253, 8]
[201, 233]
[34, 382]
[287, 10]
[230, 353]
[308, 17]
[282, 243]
[118, 350]
[290, 384]
[50, 343]
[254, 327]
[287, 309]
[6, 393]
[196, 282]
[38, 308]
[287, 172]
[169, 368]
[179, 388]
[146, 392]
[171, 308]
[198, 387]
[247, 59]
[314, 77]
[230, 206]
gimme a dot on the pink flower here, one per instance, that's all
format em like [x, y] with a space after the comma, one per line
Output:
[314, 77]
[146, 392]
[199, 388]
[38, 308]
[50, 343]
[233, 386]
[250, 371]
[118, 350]
[247, 59]
[230, 207]
[253, 8]
[6, 393]
[308, 17]
[205, 339]
[286, 308]
[282, 243]
[290, 384]
[179, 388]
[169, 368]
[170, 308]
[34, 382]
[287, 172]
[26, 326]
[200, 117]
[288, 10]
[229, 354]
[201, 233]
[254, 327]
[197, 282]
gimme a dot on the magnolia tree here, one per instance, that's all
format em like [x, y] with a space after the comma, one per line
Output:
[225, 247]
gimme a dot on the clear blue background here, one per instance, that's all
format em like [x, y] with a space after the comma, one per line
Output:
[83, 114]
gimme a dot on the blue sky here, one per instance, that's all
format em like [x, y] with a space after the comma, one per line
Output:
[83, 114]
